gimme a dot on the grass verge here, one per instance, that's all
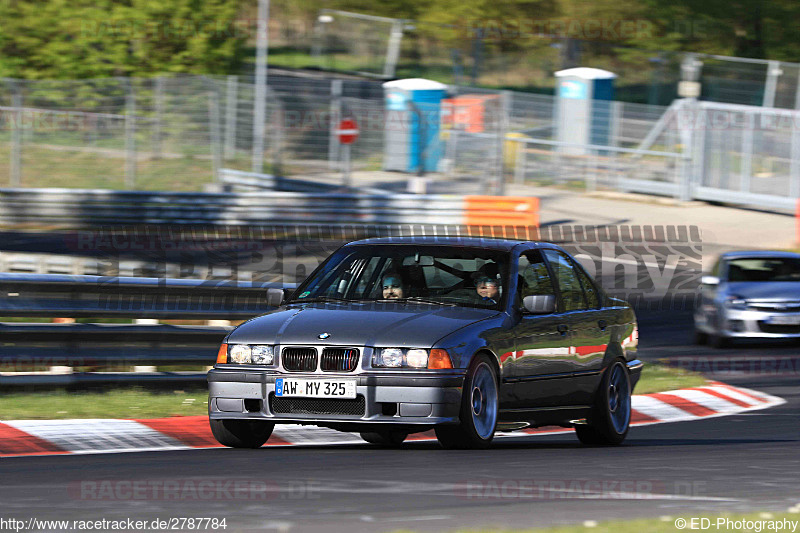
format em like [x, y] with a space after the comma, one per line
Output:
[658, 377]
[139, 403]
[128, 403]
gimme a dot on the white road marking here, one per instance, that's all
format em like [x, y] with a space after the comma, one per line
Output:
[707, 400]
[733, 393]
[97, 434]
[659, 410]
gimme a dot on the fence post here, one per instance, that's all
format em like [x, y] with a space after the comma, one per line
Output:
[231, 101]
[694, 151]
[278, 124]
[393, 50]
[519, 162]
[771, 84]
[591, 183]
[502, 129]
[159, 110]
[260, 100]
[794, 165]
[616, 122]
[216, 145]
[452, 151]
[130, 137]
[16, 139]
[746, 170]
[336, 116]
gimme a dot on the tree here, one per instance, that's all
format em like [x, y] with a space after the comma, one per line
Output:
[100, 38]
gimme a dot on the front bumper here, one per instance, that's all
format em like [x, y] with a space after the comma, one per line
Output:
[413, 398]
[749, 323]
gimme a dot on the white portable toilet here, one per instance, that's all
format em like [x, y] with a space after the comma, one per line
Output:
[409, 141]
[585, 97]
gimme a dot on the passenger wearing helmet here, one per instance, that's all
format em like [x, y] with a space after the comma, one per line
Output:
[392, 287]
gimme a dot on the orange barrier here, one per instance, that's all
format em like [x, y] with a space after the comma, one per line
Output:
[502, 216]
[797, 221]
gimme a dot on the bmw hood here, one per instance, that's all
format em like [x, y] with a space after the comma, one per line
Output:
[355, 324]
[766, 291]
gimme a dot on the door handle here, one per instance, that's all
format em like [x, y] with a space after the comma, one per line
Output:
[562, 328]
[602, 324]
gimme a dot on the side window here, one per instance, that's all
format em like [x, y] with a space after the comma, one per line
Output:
[568, 283]
[589, 289]
[716, 270]
[367, 278]
[534, 278]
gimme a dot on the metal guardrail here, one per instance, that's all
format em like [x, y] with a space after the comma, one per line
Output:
[29, 346]
[242, 181]
[85, 208]
[41, 263]
[52, 295]
[88, 208]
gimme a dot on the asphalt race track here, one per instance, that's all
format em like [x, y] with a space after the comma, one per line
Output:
[747, 462]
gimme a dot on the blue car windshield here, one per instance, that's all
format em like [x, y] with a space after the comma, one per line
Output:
[764, 269]
[446, 275]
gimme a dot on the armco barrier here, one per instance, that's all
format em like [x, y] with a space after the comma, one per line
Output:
[87, 208]
[28, 347]
[53, 295]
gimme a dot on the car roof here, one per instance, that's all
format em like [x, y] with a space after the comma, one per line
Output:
[756, 254]
[489, 243]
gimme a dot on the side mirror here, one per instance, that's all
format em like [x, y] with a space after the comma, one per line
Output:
[539, 304]
[709, 280]
[275, 297]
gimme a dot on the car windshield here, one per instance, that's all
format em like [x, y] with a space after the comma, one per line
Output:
[764, 269]
[435, 275]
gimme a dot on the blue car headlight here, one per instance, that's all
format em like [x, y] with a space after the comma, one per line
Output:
[735, 302]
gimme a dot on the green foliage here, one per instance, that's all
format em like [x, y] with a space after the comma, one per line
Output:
[80, 39]
[101, 38]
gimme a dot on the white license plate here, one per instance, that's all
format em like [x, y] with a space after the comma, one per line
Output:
[792, 320]
[316, 388]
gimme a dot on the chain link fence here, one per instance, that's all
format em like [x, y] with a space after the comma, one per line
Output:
[175, 134]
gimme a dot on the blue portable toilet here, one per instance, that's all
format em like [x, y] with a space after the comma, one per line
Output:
[411, 129]
[584, 107]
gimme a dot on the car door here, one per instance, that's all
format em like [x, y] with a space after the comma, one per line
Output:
[540, 363]
[591, 335]
[584, 319]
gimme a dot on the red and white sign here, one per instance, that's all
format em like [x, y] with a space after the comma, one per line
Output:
[348, 131]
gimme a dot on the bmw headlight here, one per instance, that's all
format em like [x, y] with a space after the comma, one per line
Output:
[388, 357]
[262, 354]
[401, 357]
[417, 358]
[436, 358]
[240, 353]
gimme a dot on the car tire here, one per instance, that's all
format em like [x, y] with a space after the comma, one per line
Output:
[610, 419]
[385, 438]
[479, 409]
[719, 341]
[700, 337]
[241, 433]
